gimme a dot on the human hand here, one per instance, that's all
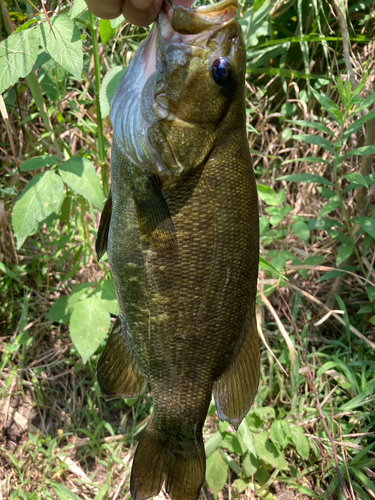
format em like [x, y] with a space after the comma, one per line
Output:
[139, 12]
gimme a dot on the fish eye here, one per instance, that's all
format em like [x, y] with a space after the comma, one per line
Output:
[222, 71]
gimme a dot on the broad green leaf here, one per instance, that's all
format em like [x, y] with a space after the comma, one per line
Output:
[231, 443]
[268, 452]
[42, 196]
[357, 124]
[80, 174]
[108, 88]
[106, 30]
[277, 434]
[344, 253]
[62, 309]
[217, 472]
[371, 293]
[79, 6]
[89, 325]
[329, 207]
[247, 437]
[64, 45]
[213, 443]
[250, 464]
[366, 224]
[316, 140]
[267, 266]
[305, 178]
[300, 441]
[39, 162]
[328, 105]
[323, 223]
[106, 292]
[357, 178]
[240, 485]
[267, 194]
[301, 229]
[256, 23]
[363, 151]
[115, 23]
[18, 54]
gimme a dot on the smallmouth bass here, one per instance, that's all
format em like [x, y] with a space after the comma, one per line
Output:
[181, 231]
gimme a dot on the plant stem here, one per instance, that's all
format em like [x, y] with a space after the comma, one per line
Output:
[338, 192]
[95, 48]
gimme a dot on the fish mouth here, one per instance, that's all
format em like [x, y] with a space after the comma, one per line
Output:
[184, 21]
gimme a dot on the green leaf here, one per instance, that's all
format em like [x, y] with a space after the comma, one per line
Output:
[240, 485]
[256, 23]
[308, 159]
[300, 441]
[357, 124]
[363, 151]
[344, 253]
[79, 6]
[316, 140]
[247, 437]
[106, 291]
[277, 434]
[89, 325]
[316, 125]
[231, 443]
[329, 207]
[366, 224]
[371, 293]
[306, 178]
[250, 464]
[301, 229]
[267, 194]
[63, 492]
[18, 54]
[115, 23]
[39, 162]
[366, 103]
[213, 443]
[80, 174]
[268, 452]
[329, 106]
[108, 88]
[106, 30]
[42, 196]
[62, 309]
[64, 45]
[217, 472]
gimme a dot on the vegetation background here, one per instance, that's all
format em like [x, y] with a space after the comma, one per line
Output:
[311, 125]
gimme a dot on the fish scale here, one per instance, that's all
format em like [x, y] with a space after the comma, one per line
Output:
[181, 230]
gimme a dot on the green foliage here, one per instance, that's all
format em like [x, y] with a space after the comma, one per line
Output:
[54, 285]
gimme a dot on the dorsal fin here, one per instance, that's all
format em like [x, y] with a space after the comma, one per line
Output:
[102, 236]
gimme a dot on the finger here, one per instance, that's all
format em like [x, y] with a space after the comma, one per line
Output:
[144, 15]
[109, 9]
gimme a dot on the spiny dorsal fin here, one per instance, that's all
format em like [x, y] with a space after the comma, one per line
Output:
[105, 220]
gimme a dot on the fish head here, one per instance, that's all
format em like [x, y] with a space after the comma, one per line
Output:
[200, 60]
[179, 87]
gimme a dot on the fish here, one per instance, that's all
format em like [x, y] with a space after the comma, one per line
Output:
[181, 230]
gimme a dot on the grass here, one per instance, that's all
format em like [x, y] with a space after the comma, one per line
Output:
[310, 432]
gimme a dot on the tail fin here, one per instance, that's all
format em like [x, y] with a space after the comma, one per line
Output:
[155, 461]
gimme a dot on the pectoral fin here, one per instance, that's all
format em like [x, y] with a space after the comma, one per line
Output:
[154, 218]
[117, 371]
[102, 236]
[235, 389]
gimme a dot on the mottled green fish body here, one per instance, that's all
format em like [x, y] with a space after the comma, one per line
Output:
[181, 232]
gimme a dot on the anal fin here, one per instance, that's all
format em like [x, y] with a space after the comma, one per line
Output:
[102, 236]
[235, 389]
[117, 371]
